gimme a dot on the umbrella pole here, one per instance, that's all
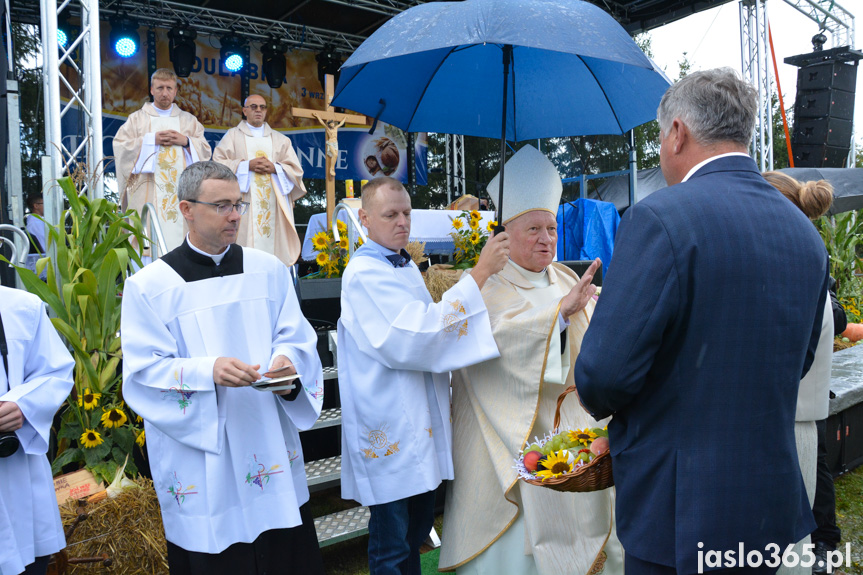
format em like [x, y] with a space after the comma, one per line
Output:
[507, 58]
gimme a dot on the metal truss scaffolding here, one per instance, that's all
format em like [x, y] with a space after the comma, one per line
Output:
[62, 155]
[754, 59]
[829, 16]
[455, 175]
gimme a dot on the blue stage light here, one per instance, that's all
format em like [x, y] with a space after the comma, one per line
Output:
[62, 38]
[124, 36]
[125, 47]
[232, 52]
[234, 63]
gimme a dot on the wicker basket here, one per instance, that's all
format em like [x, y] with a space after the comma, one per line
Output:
[593, 476]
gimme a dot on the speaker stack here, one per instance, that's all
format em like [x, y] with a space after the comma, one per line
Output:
[824, 107]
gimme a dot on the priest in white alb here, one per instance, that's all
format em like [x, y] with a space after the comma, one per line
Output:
[395, 350]
[199, 326]
[539, 310]
[271, 180]
[35, 380]
[151, 150]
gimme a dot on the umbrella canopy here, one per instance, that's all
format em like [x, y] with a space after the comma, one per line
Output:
[439, 67]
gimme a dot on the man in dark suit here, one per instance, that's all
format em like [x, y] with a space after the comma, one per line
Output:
[708, 319]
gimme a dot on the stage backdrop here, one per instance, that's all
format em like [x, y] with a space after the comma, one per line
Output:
[212, 94]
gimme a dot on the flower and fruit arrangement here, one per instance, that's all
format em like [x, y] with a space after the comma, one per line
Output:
[557, 455]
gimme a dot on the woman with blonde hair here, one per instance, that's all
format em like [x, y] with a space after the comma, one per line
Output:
[813, 198]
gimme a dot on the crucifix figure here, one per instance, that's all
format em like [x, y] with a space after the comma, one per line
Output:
[331, 121]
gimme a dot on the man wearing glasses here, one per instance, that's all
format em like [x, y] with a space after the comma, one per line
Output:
[198, 326]
[270, 178]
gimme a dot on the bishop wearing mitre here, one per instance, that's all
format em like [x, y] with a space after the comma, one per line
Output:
[152, 149]
[271, 179]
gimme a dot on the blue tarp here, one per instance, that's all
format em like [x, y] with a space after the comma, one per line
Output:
[586, 230]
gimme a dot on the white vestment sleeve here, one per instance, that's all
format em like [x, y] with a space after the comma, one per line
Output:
[156, 380]
[401, 332]
[191, 154]
[243, 176]
[46, 384]
[284, 184]
[147, 158]
[295, 338]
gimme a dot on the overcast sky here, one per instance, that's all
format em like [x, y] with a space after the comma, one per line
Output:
[712, 38]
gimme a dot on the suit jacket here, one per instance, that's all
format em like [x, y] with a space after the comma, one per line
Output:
[709, 317]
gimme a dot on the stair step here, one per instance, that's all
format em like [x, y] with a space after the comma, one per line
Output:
[324, 473]
[331, 372]
[342, 526]
[329, 418]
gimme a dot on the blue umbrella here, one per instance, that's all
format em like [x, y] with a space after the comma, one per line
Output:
[509, 69]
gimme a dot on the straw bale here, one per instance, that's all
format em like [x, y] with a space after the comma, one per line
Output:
[417, 252]
[439, 278]
[129, 529]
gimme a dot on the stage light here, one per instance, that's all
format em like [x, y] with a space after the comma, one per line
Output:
[329, 62]
[232, 53]
[64, 30]
[181, 50]
[124, 36]
[273, 62]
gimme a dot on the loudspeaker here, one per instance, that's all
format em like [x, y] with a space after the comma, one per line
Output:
[823, 156]
[815, 131]
[824, 108]
[824, 103]
[836, 75]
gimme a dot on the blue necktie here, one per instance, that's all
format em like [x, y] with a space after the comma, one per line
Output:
[399, 260]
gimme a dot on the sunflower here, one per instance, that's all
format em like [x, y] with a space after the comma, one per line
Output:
[360, 242]
[89, 400]
[139, 439]
[556, 464]
[583, 436]
[457, 223]
[474, 224]
[341, 226]
[319, 240]
[474, 238]
[475, 215]
[91, 438]
[322, 259]
[343, 243]
[491, 226]
[113, 418]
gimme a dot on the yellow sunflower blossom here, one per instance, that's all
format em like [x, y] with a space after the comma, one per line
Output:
[341, 226]
[474, 224]
[491, 226]
[88, 399]
[322, 259]
[360, 242]
[113, 418]
[319, 240]
[343, 243]
[457, 223]
[91, 438]
[475, 215]
[556, 464]
[140, 439]
[583, 436]
[474, 238]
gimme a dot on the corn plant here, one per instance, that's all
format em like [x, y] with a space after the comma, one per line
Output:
[93, 254]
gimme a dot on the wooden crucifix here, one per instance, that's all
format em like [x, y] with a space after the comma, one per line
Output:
[331, 121]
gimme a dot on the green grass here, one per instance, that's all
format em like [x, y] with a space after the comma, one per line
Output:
[849, 516]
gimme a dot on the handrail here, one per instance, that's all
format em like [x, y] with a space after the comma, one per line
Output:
[24, 238]
[154, 228]
[352, 221]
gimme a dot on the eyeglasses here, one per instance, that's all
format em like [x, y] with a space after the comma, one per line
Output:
[255, 107]
[225, 209]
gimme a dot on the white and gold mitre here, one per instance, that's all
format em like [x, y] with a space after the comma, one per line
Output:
[531, 182]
